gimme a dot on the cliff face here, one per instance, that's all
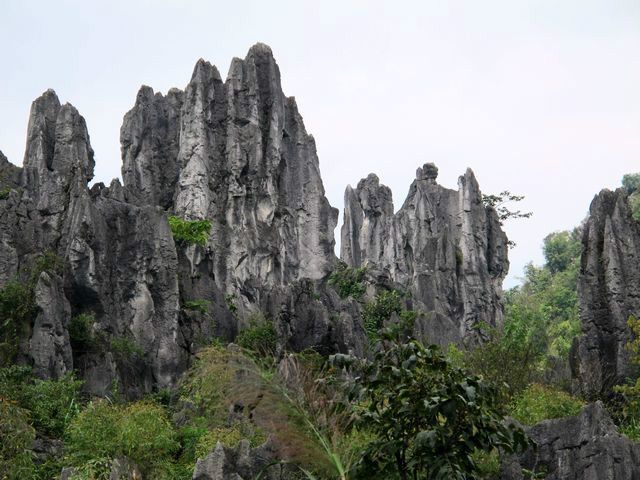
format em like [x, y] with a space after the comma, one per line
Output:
[444, 246]
[235, 153]
[583, 447]
[609, 292]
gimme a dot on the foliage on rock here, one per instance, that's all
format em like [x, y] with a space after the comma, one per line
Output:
[348, 282]
[190, 232]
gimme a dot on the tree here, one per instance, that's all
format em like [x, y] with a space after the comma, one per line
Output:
[499, 202]
[561, 249]
[426, 417]
[631, 182]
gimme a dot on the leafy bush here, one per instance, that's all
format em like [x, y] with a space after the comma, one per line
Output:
[17, 308]
[4, 193]
[539, 402]
[208, 384]
[81, 335]
[51, 403]
[631, 182]
[348, 282]
[139, 431]
[634, 203]
[630, 409]
[378, 311]
[190, 232]
[201, 306]
[509, 364]
[16, 439]
[428, 417]
[260, 337]
[126, 349]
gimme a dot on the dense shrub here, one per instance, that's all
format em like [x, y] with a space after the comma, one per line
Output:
[379, 310]
[201, 306]
[81, 335]
[208, 384]
[190, 232]
[51, 403]
[631, 182]
[348, 282]
[629, 414]
[139, 431]
[538, 402]
[16, 439]
[428, 417]
[260, 337]
[507, 363]
[125, 349]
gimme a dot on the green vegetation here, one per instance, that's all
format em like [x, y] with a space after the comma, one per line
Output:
[18, 305]
[126, 348]
[260, 337]
[81, 335]
[201, 306]
[538, 402]
[139, 431]
[427, 416]
[631, 183]
[630, 409]
[16, 439]
[378, 311]
[348, 282]
[190, 232]
[4, 193]
[499, 202]
[50, 403]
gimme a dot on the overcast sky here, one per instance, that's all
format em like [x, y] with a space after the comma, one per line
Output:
[538, 97]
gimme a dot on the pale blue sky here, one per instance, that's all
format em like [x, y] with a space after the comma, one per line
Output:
[540, 97]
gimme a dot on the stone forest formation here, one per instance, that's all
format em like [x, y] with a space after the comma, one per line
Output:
[220, 229]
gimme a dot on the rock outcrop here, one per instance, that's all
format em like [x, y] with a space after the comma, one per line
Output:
[235, 153]
[444, 246]
[609, 292]
[242, 463]
[584, 447]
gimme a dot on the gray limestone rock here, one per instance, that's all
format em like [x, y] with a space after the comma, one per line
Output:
[242, 463]
[444, 246]
[584, 447]
[609, 292]
[150, 138]
[49, 345]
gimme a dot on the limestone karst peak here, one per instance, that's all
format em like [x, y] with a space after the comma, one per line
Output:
[205, 72]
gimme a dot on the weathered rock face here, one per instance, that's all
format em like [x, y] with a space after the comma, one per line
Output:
[242, 463]
[238, 154]
[585, 447]
[443, 245]
[120, 262]
[609, 292]
[235, 153]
